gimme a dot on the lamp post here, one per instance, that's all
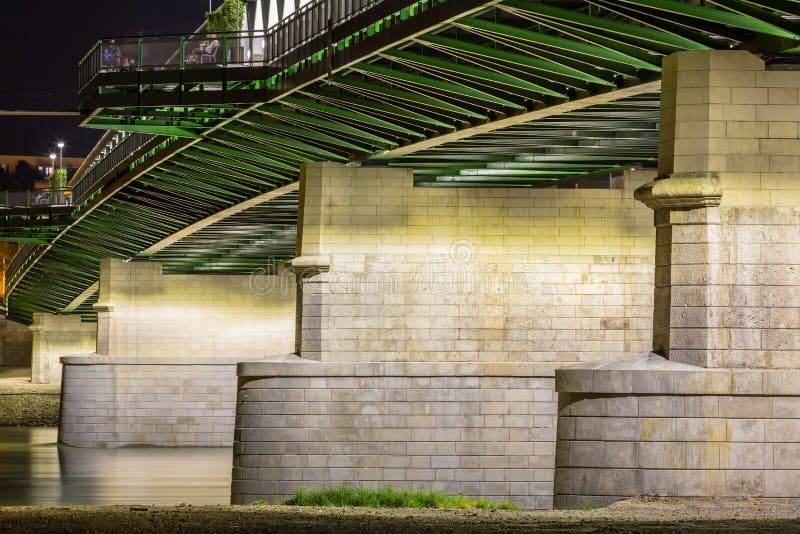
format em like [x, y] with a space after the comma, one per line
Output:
[60, 155]
[52, 175]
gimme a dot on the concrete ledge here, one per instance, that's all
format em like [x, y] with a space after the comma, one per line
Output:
[293, 366]
[98, 359]
[654, 375]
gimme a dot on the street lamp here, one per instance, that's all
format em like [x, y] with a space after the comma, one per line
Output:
[60, 155]
[53, 161]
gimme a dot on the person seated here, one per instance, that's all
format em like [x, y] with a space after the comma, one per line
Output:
[111, 55]
[209, 54]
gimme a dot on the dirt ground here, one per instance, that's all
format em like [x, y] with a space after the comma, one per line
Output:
[25, 404]
[648, 515]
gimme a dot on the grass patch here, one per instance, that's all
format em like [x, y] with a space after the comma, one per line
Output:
[388, 497]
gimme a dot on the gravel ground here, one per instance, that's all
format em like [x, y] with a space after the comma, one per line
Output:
[648, 515]
[25, 404]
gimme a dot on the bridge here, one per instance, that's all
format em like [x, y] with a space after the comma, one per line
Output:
[393, 228]
[200, 163]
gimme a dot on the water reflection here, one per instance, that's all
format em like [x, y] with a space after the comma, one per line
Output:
[34, 470]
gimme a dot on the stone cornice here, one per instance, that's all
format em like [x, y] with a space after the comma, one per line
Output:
[682, 190]
[311, 265]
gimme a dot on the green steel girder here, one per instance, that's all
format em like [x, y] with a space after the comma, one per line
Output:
[570, 47]
[630, 33]
[725, 18]
[478, 76]
[546, 69]
[309, 106]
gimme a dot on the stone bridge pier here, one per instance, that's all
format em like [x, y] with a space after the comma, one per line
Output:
[430, 323]
[164, 370]
[715, 410]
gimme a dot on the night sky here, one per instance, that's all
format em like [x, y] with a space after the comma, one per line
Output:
[40, 45]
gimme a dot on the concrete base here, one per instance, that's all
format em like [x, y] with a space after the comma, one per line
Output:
[653, 427]
[109, 402]
[478, 429]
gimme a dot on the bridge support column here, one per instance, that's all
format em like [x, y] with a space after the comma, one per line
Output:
[431, 321]
[15, 344]
[54, 336]
[168, 345]
[712, 419]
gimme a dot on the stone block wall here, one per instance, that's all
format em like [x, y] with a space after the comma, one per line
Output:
[162, 402]
[55, 336]
[727, 288]
[734, 280]
[656, 427]
[463, 428]
[143, 313]
[15, 344]
[165, 372]
[427, 274]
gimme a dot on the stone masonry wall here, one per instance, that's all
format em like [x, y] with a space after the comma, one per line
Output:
[427, 274]
[163, 402]
[462, 428]
[727, 282]
[15, 344]
[142, 312]
[436, 317]
[657, 427]
[55, 336]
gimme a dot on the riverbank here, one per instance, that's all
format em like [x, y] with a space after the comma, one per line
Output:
[647, 516]
[25, 404]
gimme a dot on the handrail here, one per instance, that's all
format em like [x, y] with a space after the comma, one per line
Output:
[18, 263]
[236, 48]
[25, 198]
[316, 27]
[116, 154]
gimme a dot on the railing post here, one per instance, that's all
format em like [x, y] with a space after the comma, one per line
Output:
[139, 62]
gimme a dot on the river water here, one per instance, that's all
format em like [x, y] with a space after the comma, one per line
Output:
[34, 470]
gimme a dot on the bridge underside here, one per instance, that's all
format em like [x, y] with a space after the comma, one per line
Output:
[468, 94]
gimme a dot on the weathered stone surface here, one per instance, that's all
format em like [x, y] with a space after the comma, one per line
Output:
[109, 402]
[688, 442]
[401, 424]
[55, 336]
[501, 275]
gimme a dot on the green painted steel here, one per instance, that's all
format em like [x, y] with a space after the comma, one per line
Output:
[588, 51]
[726, 18]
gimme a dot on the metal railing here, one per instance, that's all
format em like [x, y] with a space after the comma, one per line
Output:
[35, 197]
[18, 263]
[307, 31]
[254, 48]
[116, 154]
